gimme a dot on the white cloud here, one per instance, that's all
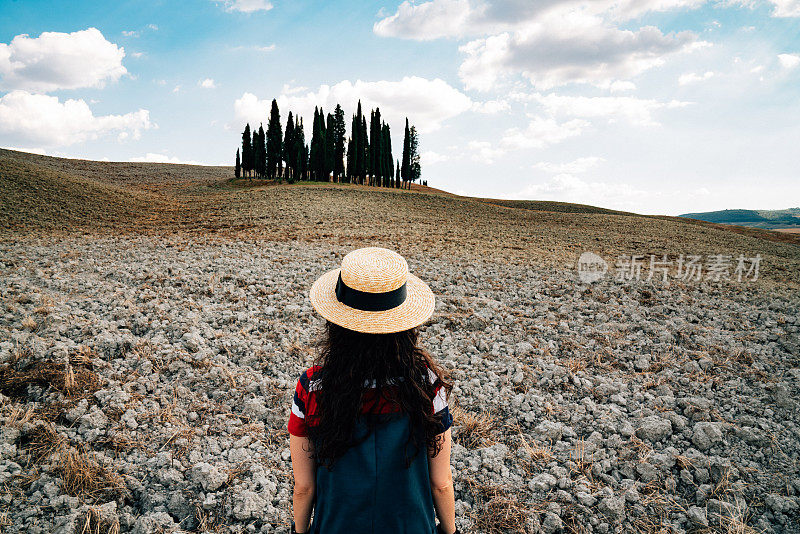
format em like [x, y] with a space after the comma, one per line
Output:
[786, 8]
[176, 89]
[429, 20]
[491, 106]
[570, 49]
[437, 19]
[541, 132]
[430, 157]
[693, 77]
[208, 83]
[153, 27]
[577, 166]
[256, 48]
[247, 6]
[152, 157]
[57, 60]
[45, 121]
[789, 61]
[250, 109]
[484, 152]
[780, 8]
[620, 86]
[634, 110]
[426, 103]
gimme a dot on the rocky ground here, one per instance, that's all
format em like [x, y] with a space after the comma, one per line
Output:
[146, 385]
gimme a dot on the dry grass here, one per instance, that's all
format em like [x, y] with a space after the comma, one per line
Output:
[207, 521]
[475, 429]
[74, 377]
[29, 323]
[93, 523]
[80, 473]
[498, 510]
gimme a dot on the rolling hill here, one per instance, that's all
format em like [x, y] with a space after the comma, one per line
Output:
[767, 219]
[41, 195]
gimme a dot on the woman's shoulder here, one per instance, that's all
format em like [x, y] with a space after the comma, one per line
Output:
[308, 377]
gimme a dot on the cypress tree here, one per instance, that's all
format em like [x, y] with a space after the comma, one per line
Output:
[274, 142]
[299, 147]
[317, 147]
[397, 175]
[238, 169]
[370, 163]
[338, 134]
[246, 148]
[387, 159]
[254, 153]
[359, 142]
[375, 145]
[350, 155]
[364, 149]
[416, 168]
[288, 151]
[405, 170]
[330, 127]
[261, 156]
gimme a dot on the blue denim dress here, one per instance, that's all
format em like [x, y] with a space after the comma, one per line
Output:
[370, 490]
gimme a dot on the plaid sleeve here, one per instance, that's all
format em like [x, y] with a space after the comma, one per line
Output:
[440, 408]
[297, 418]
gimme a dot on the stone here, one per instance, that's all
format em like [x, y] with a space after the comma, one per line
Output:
[153, 523]
[552, 523]
[248, 505]
[613, 508]
[523, 348]
[208, 476]
[697, 515]
[706, 434]
[654, 428]
[542, 482]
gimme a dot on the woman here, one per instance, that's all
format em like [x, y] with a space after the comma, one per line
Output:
[369, 426]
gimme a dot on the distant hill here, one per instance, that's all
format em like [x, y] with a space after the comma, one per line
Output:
[767, 219]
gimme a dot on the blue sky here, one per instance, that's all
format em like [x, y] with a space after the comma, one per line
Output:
[654, 106]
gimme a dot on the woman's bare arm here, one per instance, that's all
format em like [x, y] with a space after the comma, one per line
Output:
[304, 469]
[442, 485]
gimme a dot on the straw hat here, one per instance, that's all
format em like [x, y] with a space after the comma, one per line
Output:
[372, 292]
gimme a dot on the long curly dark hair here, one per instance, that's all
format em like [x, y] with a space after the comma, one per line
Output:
[348, 360]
